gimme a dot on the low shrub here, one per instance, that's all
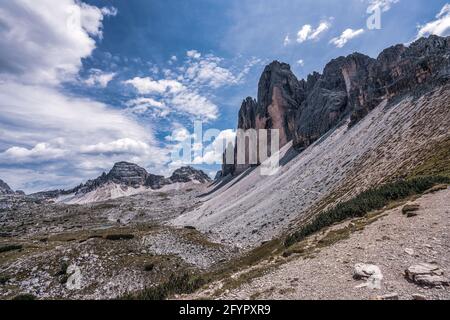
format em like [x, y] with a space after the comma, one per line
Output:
[117, 237]
[176, 284]
[10, 247]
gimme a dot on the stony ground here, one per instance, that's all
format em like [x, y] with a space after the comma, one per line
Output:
[392, 242]
[101, 250]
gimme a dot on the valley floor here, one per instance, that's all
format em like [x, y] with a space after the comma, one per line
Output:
[390, 241]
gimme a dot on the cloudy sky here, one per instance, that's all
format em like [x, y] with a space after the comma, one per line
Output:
[86, 84]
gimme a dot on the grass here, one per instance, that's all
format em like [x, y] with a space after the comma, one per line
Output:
[370, 200]
[176, 284]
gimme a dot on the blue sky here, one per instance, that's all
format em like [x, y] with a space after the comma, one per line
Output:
[86, 84]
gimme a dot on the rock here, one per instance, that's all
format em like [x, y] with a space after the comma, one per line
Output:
[409, 251]
[426, 274]
[349, 87]
[418, 296]
[371, 273]
[410, 210]
[390, 296]
[4, 188]
[189, 174]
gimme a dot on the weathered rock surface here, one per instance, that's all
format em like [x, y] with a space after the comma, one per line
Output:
[426, 274]
[4, 188]
[189, 174]
[352, 86]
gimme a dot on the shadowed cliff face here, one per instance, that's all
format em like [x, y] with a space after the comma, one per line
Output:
[352, 86]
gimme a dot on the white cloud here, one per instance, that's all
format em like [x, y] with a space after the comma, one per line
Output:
[213, 154]
[287, 40]
[307, 32]
[143, 105]
[383, 5]
[304, 33]
[99, 78]
[208, 72]
[301, 62]
[346, 36]
[177, 96]
[121, 146]
[193, 54]
[46, 41]
[40, 152]
[148, 85]
[440, 26]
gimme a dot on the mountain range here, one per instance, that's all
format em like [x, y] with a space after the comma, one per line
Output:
[362, 194]
[125, 179]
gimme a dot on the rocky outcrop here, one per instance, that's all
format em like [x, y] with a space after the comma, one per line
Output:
[189, 174]
[349, 87]
[279, 96]
[4, 188]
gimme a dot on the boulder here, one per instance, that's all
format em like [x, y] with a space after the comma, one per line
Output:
[425, 274]
[369, 272]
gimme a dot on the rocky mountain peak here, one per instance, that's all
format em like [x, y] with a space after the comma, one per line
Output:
[4, 188]
[350, 86]
[189, 174]
[127, 174]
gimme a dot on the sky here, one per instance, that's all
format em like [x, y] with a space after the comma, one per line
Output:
[84, 84]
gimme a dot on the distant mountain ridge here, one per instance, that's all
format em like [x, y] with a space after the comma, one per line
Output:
[130, 175]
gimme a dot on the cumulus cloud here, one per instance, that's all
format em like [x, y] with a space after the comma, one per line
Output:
[147, 105]
[177, 96]
[345, 37]
[307, 32]
[207, 71]
[40, 152]
[148, 85]
[287, 40]
[213, 153]
[99, 78]
[301, 62]
[121, 146]
[47, 40]
[440, 26]
[193, 54]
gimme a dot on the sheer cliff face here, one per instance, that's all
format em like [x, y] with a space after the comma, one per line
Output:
[351, 86]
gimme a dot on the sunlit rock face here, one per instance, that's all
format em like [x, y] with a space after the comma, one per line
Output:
[349, 87]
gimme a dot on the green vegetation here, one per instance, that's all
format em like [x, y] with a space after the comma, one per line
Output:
[10, 247]
[183, 284]
[117, 237]
[373, 199]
